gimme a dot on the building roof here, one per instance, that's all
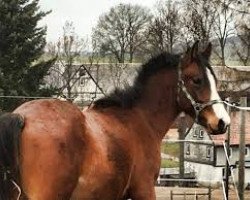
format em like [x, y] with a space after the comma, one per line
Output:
[236, 78]
[235, 130]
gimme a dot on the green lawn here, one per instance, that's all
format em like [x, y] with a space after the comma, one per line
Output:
[171, 149]
[165, 163]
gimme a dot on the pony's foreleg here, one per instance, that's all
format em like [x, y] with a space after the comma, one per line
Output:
[143, 192]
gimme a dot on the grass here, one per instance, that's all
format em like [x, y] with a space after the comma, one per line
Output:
[166, 163]
[171, 149]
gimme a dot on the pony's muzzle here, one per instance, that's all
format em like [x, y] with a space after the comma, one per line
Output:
[219, 128]
[219, 119]
[222, 126]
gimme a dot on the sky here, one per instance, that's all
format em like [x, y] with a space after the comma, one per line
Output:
[83, 13]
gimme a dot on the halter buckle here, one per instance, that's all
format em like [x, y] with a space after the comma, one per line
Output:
[198, 107]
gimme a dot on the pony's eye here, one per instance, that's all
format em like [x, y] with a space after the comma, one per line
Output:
[197, 81]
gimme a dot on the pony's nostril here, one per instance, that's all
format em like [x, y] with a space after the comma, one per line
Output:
[221, 126]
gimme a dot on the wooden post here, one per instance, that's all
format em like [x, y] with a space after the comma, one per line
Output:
[227, 169]
[209, 193]
[241, 169]
[181, 131]
[196, 196]
[171, 195]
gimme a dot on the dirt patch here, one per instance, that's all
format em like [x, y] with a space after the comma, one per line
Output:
[163, 193]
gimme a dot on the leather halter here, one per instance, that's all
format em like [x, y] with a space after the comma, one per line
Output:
[198, 107]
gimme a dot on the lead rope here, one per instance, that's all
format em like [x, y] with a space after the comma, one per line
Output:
[233, 105]
[232, 173]
[18, 189]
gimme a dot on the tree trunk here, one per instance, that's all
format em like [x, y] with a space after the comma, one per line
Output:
[122, 57]
[131, 56]
[222, 48]
[223, 56]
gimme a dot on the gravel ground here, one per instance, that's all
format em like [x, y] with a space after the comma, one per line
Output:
[163, 193]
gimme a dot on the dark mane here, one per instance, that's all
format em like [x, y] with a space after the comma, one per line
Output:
[126, 98]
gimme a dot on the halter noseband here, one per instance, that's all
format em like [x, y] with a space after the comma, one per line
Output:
[198, 107]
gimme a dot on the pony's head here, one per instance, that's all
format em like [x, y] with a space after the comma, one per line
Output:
[198, 95]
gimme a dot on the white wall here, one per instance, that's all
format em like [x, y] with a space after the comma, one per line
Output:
[207, 175]
[247, 176]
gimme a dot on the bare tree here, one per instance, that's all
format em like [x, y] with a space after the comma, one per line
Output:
[51, 49]
[243, 50]
[116, 71]
[164, 30]
[224, 26]
[68, 48]
[198, 20]
[138, 20]
[243, 33]
[121, 31]
[94, 56]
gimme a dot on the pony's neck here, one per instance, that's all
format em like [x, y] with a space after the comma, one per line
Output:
[158, 102]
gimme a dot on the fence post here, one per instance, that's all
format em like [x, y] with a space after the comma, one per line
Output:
[209, 193]
[241, 169]
[196, 196]
[171, 195]
[181, 131]
[227, 168]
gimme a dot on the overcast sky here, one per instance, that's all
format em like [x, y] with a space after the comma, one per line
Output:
[83, 13]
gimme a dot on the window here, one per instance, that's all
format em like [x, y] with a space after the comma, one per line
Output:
[230, 153]
[196, 150]
[248, 100]
[195, 132]
[209, 152]
[82, 72]
[246, 151]
[83, 80]
[201, 135]
[188, 149]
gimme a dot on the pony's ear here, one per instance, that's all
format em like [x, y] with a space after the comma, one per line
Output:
[207, 52]
[192, 52]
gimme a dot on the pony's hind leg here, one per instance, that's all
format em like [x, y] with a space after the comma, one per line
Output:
[45, 196]
[48, 172]
[48, 184]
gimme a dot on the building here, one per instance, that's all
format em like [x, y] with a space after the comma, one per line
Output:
[88, 82]
[206, 153]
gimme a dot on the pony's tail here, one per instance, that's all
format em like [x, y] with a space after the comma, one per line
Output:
[10, 128]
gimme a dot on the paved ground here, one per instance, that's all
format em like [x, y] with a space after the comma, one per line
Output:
[163, 193]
